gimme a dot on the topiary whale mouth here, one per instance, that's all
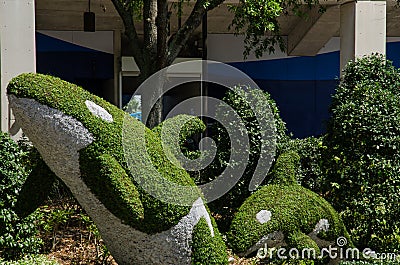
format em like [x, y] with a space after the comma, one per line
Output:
[49, 127]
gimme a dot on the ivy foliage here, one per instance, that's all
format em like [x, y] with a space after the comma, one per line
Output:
[363, 141]
[17, 236]
[295, 211]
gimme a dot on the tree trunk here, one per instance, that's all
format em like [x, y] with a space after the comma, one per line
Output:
[158, 51]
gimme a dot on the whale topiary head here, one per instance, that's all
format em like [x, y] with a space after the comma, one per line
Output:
[284, 214]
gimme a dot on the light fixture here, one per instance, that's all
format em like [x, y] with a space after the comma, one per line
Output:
[89, 21]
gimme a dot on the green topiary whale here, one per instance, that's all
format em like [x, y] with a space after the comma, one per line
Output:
[285, 214]
[79, 137]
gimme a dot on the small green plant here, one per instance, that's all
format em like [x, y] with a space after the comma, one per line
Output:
[102, 253]
[30, 260]
[52, 220]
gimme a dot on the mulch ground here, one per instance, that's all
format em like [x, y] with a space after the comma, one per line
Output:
[70, 236]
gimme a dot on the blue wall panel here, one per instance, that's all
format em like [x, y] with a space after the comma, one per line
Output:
[71, 62]
[303, 86]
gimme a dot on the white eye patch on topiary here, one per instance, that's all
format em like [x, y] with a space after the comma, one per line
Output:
[98, 111]
[263, 216]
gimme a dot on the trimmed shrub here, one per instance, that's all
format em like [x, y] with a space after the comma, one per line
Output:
[17, 236]
[363, 143]
[294, 211]
[284, 171]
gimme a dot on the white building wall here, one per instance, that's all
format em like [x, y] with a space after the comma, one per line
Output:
[17, 47]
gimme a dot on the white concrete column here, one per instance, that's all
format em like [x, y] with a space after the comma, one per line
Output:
[17, 47]
[362, 29]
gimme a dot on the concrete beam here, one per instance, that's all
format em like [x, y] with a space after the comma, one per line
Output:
[73, 20]
[17, 48]
[68, 15]
[313, 32]
[362, 29]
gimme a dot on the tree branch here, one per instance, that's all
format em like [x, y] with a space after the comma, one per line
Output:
[126, 14]
[213, 4]
[194, 20]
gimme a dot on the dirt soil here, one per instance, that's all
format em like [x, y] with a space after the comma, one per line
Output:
[71, 237]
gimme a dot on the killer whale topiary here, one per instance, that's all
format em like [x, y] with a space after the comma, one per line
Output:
[79, 137]
[285, 214]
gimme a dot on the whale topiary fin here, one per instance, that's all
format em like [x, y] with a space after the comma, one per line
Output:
[284, 171]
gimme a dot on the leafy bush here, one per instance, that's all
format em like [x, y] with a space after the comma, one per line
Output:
[275, 132]
[363, 142]
[17, 236]
[30, 260]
